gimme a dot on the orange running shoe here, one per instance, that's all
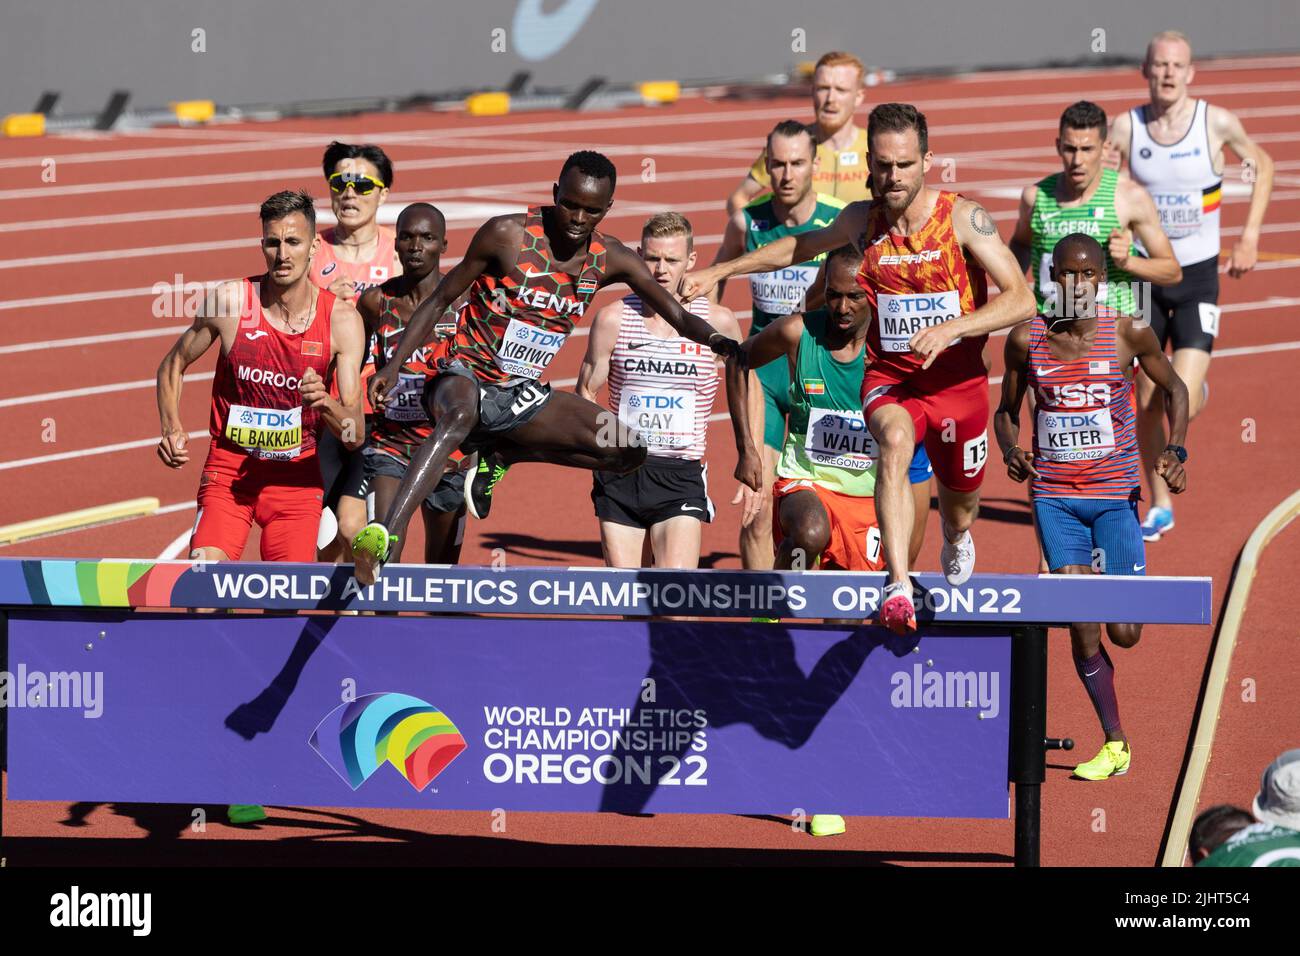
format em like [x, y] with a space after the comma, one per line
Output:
[897, 612]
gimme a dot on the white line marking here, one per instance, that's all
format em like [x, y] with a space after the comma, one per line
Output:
[174, 549]
[95, 390]
[84, 452]
[92, 339]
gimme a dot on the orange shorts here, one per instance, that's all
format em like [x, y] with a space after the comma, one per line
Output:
[283, 497]
[855, 533]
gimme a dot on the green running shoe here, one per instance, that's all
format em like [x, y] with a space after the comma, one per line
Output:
[370, 549]
[245, 813]
[826, 824]
[484, 473]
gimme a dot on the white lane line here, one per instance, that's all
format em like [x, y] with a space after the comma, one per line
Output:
[92, 340]
[96, 390]
[178, 544]
[84, 452]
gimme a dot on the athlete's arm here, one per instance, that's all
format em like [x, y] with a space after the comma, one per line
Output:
[778, 340]
[1140, 218]
[1022, 239]
[221, 306]
[343, 415]
[725, 321]
[368, 309]
[751, 186]
[1227, 127]
[846, 229]
[1142, 342]
[1006, 420]
[1115, 148]
[732, 247]
[600, 346]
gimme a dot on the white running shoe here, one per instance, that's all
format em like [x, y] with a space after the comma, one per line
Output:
[958, 558]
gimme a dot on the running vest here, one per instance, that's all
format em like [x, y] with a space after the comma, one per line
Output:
[1260, 844]
[1182, 181]
[1085, 440]
[663, 388]
[828, 442]
[841, 173]
[917, 281]
[256, 406]
[1096, 218]
[511, 328]
[782, 292]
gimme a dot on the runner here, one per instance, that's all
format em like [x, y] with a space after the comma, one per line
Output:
[1084, 462]
[841, 144]
[662, 386]
[1225, 835]
[529, 279]
[403, 424]
[355, 255]
[1173, 146]
[793, 208]
[925, 258]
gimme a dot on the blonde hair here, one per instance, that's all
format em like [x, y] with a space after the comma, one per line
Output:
[1176, 35]
[840, 58]
[664, 225]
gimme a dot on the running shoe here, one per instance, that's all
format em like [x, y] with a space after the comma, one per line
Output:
[239, 813]
[1159, 521]
[826, 824]
[958, 558]
[371, 548]
[484, 473]
[1111, 761]
[897, 611]
[764, 620]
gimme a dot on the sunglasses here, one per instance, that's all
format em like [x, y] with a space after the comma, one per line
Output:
[363, 184]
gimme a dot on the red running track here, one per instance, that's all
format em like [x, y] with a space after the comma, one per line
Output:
[82, 328]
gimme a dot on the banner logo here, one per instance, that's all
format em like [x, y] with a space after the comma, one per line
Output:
[411, 734]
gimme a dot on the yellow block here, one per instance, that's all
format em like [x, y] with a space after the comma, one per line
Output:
[71, 520]
[661, 91]
[24, 124]
[488, 104]
[195, 111]
[806, 69]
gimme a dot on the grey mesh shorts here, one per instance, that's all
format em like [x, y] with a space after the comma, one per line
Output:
[447, 495]
[501, 408]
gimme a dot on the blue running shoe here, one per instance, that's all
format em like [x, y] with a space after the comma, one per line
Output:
[1159, 521]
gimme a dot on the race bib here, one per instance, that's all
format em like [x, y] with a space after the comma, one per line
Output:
[403, 403]
[664, 419]
[1085, 435]
[902, 316]
[839, 439]
[782, 292]
[265, 432]
[526, 350]
[1180, 213]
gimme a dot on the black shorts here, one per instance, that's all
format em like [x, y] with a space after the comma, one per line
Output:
[501, 408]
[660, 489]
[1187, 314]
[342, 472]
[447, 495]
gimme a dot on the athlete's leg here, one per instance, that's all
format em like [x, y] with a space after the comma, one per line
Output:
[352, 515]
[921, 511]
[676, 542]
[569, 430]
[622, 544]
[443, 535]
[895, 434]
[756, 549]
[1117, 540]
[1192, 366]
[1152, 437]
[805, 530]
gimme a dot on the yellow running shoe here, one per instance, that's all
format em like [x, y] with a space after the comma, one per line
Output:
[371, 548]
[826, 824]
[1111, 761]
[245, 813]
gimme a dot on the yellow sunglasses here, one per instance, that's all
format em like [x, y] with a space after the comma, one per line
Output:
[363, 184]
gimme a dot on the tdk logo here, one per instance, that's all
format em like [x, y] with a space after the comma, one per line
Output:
[267, 419]
[661, 402]
[916, 303]
[1173, 199]
[1059, 420]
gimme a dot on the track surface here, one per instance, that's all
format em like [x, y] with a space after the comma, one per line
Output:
[82, 329]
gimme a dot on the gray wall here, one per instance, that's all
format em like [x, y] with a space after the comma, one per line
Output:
[261, 51]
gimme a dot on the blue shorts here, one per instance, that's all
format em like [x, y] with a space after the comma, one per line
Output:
[1100, 532]
[920, 470]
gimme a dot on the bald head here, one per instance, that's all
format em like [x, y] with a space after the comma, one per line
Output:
[427, 213]
[1079, 248]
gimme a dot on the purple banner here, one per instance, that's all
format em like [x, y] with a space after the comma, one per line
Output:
[474, 714]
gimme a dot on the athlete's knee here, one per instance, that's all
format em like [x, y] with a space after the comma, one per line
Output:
[1124, 635]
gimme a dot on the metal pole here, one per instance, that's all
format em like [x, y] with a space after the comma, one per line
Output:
[1028, 736]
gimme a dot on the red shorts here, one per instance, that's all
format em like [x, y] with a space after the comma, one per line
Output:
[855, 533]
[283, 497]
[952, 421]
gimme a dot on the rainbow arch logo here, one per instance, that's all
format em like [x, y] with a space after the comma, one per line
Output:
[356, 738]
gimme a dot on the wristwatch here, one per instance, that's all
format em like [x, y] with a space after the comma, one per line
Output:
[1179, 452]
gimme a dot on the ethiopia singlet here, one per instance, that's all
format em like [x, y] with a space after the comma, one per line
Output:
[782, 292]
[841, 173]
[663, 387]
[511, 328]
[828, 442]
[1182, 181]
[256, 406]
[1096, 217]
[1085, 440]
[917, 281]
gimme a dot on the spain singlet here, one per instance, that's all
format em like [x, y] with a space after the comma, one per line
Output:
[663, 387]
[1182, 181]
[917, 281]
[828, 442]
[782, 292]
[511, 328]
[1097, 218]
[257, 409]
[1085, 439]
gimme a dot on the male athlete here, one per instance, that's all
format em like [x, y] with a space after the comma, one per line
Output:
[841, 144]
[662, 387]
[1225, 835]
[403, 424]
[530, 278]
[1174, 148]
[1084, 463]
[925, 258]
[354, 255]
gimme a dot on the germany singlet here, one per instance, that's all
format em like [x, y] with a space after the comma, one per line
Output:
[511, 328]
[257, 409]
[1097, 218]
[841, 173]
[782, 292]
[828, 442]
[1085, 439]
[663, 388]
[915, 282]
